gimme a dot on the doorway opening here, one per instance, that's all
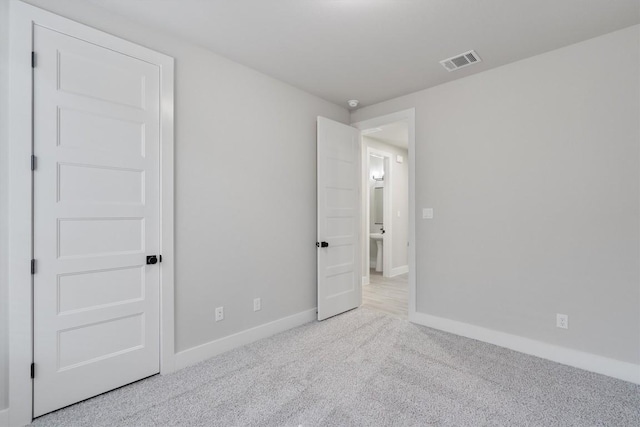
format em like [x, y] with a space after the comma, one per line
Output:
[385, 206]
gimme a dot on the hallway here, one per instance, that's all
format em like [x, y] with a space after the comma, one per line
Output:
[388, 295]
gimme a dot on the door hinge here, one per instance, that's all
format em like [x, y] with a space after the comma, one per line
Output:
[33, 370]
[33, 266]
[33, 59]
[33, 162]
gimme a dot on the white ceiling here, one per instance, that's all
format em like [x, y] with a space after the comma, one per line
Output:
[373, 50]
[396, 133]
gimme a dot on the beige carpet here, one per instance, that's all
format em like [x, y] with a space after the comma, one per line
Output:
[365, 368]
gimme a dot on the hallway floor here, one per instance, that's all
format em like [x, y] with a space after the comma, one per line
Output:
[389, 295]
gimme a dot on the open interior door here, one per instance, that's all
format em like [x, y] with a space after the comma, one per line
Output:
[339, 272]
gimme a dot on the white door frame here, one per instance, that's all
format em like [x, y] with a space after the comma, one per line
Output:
[22, 18]
[387, 218]
[410, 116]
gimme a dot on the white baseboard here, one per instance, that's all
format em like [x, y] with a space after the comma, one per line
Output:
[399, 270]
[206, 351]
[590, 362]
[4, 417]
[365, 280]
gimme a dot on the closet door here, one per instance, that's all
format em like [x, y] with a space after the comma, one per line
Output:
[96, 218]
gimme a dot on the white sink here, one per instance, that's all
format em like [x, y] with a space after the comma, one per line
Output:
[377, 237]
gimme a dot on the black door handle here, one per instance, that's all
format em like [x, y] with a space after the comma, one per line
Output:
[322, 244]
[152, 259]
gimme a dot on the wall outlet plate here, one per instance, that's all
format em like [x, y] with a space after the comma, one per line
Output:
[427, 213]
[219, 314]
[257, 304]
[562, 321]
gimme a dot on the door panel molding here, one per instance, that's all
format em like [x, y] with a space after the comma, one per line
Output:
[23, 19]
[90, 351]
[338, 239]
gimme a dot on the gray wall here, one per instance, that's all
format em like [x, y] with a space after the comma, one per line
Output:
[4, 189]
[533, 173]
[245, 186]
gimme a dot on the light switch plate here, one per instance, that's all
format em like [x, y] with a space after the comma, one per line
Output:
[399, 158]
[427, 213]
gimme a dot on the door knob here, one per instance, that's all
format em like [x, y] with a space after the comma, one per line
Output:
[322, 244]
[152, 259]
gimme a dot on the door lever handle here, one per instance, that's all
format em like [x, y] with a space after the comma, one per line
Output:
[322, 244]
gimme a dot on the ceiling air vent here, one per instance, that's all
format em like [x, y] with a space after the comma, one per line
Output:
[460, 61]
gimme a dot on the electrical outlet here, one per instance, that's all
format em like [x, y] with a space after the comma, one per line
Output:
[562, 321]
[427, 213]
[257, 304]
[219, 314]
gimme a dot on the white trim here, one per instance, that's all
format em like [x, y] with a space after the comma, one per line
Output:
[167, 206]
[590, 362]
[399, 270]
[410, 116]
[23, 18]
[20, 325]
[365, 280]
[213, 348]
[4, 418]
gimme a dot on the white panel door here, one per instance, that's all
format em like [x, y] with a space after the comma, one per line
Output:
[339, 286]
[96, 217]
